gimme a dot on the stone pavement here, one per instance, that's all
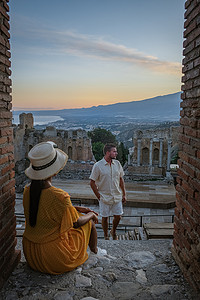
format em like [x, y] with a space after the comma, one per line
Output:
[122, 270]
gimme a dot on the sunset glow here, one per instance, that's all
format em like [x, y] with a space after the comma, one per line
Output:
[94, 53]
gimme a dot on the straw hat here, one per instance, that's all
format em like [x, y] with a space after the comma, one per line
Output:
[46, 160]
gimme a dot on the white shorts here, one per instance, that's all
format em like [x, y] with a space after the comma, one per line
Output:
[107, 210]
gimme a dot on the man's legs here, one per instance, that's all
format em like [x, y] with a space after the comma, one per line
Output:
[116, 221]
[105, 227]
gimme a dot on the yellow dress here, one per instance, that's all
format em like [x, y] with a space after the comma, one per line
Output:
[53, 245]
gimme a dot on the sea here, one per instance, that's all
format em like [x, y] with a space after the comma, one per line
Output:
[39, 120]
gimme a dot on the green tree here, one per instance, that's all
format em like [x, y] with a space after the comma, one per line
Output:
[100, 137]
[97, 149]
[122, 153]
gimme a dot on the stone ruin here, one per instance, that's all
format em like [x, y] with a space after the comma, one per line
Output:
[152, 153]
[150, 158]
[74, 142]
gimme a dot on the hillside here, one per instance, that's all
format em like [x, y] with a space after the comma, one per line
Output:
[161, 108]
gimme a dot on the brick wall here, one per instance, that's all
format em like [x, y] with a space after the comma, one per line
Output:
[8, 256]
[186, 244]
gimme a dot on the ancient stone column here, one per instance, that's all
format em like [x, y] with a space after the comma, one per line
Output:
[169, 155]
[161, 152]
[150, 152]
[129, 159]
[139, 152]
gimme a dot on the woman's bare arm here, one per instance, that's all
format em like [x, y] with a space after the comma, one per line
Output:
[82, 220]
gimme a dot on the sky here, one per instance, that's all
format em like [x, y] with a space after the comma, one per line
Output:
[83, 53]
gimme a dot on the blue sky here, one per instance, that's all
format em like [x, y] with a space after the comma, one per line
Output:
[80, 53]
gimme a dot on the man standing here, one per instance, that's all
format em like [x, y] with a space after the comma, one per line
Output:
[106, 181]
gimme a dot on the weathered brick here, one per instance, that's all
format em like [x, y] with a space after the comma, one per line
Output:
[190, 27]
[10, 157]
[195, 184]
[6, 6]
[3, 180]
[188, 66]
[194, 162]
[4, 13]
[184, 121]
[198, 153]
[6, 131]
[3, 140]
[5, 97]
[197, 62]
[193, 123]
[191, 55]
[6, 149]
[8, 186]
[185, 139]
[4, 30]
[12, 174]
[182, 174]
[5, 114]
[189, 46]
[7, 169]
[193, 35]
[193, 103]
[6, 24]
[192, 74]
[187, 188]
[192, 15]
[187, 3]
[189, 149]
[195, 143]
[189, 219]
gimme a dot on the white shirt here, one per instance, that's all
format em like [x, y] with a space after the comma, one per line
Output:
[107, 179]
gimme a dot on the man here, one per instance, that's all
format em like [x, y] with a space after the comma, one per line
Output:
[106, 181]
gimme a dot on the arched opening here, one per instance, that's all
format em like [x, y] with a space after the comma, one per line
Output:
[70, 152]
[79, 153]
[145, 156]
[156, 156]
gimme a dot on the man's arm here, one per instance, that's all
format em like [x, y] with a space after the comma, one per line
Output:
[122, 186]
[95, 189]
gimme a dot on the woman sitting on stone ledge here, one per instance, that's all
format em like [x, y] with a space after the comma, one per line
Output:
[57, 233]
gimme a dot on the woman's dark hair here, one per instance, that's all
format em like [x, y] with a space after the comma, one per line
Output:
[35, 192]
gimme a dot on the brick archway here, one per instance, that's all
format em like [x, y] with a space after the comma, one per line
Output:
[186, 244]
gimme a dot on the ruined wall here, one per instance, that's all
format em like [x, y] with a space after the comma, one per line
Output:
[26, 121]
[8, 256]
[152, 153]
[74, 142]
[186, 244]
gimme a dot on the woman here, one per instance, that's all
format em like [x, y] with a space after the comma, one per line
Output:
[57, 233]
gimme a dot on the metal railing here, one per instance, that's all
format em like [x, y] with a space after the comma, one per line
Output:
[121, 227]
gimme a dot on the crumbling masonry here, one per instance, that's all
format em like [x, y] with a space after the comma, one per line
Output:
[186, 244]
[152, 153]
[74, 142]
[8, 256]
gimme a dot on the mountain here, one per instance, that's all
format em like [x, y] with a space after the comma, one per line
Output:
[161, 108]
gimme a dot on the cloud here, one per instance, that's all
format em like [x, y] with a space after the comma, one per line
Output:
[78, 44]
[73, 43]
